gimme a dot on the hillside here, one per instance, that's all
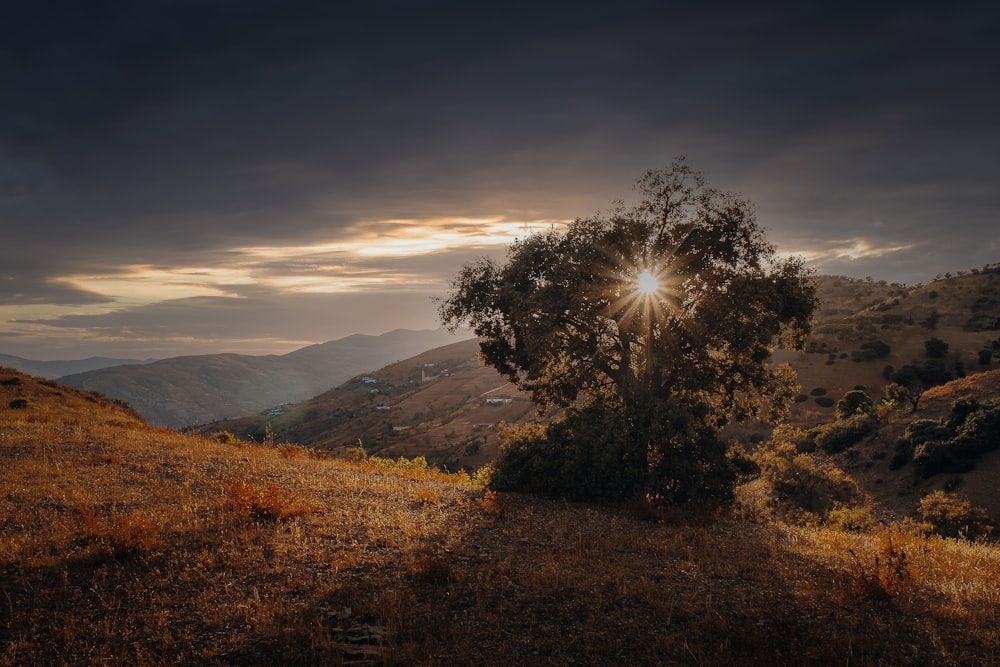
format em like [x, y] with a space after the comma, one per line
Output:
[963, 311]
[58, 368]
[181, 391]
[900, 490]
[446, 405]
[126, 544]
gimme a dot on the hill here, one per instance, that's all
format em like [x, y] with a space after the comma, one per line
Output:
[446, 405]
[443, 404]
[59, 368]
[181, 391]
[125, 544]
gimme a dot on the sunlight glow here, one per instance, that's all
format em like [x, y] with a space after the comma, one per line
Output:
[647, 282]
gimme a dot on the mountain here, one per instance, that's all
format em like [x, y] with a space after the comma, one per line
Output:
[182, 391]
[59, 368]
[446, 405]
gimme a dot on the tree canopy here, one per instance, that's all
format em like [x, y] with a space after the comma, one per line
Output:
[660, 316]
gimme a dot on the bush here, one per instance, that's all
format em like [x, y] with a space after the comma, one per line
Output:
[842, 434]
[851, 518]
[825, 401]
[871, 351]
[948, 515]
[985, 357]
[804, 486]
[818, 391]
[854, 402]
[19, 403]
[935, 348]
[586, 455]
[954, 443]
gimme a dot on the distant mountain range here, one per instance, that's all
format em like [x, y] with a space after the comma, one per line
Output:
[182, 391]
[57, 369]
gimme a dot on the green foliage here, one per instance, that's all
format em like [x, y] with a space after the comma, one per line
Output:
[871, 351]
[851, 518]
[564, 319]
[402, 463]
[356, 453]
[913, 380]
[804, 486]
[854, 402]
[844, 433]
[589, 454]
[935, 347]
[948, 515]
[954, 443]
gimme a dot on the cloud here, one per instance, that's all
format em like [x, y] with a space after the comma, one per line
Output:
[266, 322]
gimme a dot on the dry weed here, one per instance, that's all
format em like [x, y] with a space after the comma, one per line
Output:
[268, 502]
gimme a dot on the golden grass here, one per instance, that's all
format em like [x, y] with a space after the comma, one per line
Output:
[124, 544]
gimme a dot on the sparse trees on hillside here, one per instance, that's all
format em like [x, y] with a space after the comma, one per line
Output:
[649, 327]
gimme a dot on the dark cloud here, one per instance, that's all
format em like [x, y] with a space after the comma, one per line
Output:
[169, 132]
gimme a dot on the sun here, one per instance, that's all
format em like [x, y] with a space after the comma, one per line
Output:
[647, 283]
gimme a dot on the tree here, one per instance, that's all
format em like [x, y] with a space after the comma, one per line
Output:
[935, 347]
[912, 380]
[655, 320]
[854, 402]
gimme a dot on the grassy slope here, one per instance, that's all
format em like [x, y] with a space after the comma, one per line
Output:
[125, 544]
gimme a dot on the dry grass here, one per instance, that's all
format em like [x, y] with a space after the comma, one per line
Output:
[123, 544]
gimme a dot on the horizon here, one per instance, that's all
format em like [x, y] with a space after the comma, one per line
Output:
[194, 178]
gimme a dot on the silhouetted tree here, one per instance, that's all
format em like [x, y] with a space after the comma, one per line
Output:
[650, 327]
[935, 347]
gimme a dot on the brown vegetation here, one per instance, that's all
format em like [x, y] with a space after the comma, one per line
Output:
[125, 544]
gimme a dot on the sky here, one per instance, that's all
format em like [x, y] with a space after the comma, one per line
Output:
[197, 176]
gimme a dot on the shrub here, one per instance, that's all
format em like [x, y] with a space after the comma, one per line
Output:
[979, 431]
[19, 403]
[851, 518]
[844, 433]
[123, 534]
[953, 444]
[888, 573]
[871, 351]
[854, 402]
[10, 382]
[985, 357]
[804, 486]
[935, 348]
[818, 391]
[825, 401]
[948, 515]
[357, 453]
[567, 459]
[266, 503]
[226, 438]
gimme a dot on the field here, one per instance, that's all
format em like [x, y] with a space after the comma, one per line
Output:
[125, 544]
